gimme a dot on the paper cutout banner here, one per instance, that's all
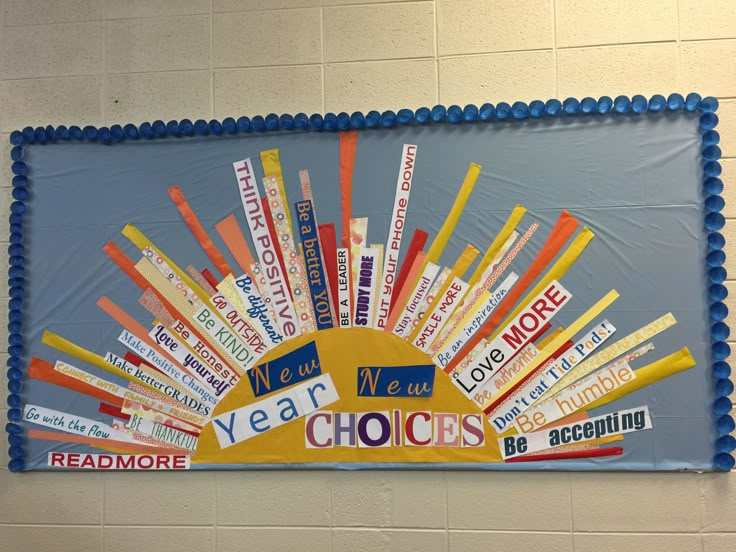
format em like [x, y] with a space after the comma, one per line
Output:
[448, 293]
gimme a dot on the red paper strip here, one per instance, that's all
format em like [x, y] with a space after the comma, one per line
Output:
[201, 281]
[133, 359]
[198, 230]
[104, 444]
[114, 411]
[570, 455]
[564, 228]
[348, 144]
[210, 278]
[418, 240]
[328, 241]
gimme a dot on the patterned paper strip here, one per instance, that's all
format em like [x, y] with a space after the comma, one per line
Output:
[150, 301]
[563, 229]
[574, 398]
[494, 264]
[358, 239]
[438, 286]
[201, 280]
[141, 242]
[189, 361]
[162, 266]
[146, 374]
[132, 407]
[472, 300]
[65, 346]
[272, 168]
[616, 423]
[306, 186]
[153, 399]
[511, 223]
[260, 282]
[162, 432]
[615, 350]
[294, 268]
[173, 407]
[184, 308]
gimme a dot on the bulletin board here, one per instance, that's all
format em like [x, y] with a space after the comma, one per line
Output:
[509, 287]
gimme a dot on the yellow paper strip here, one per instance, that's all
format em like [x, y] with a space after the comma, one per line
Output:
[549, 337]
[272, 167]
[663, 368]
[443, 236]
[510, 225]
[465, 259]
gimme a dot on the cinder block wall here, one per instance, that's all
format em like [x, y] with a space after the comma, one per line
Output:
[116, 61]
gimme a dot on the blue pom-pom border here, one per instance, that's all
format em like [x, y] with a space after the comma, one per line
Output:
[713, 202]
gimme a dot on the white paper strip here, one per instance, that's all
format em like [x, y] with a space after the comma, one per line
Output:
[395, 232]
[616, 423]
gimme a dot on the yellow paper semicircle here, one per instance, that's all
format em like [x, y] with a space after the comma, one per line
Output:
[341, 352]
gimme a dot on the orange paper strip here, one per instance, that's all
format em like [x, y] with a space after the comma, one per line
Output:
[125, 264]
[563, 229]
[199, 232]
[231, 234]
[43, 371]
[348, 144]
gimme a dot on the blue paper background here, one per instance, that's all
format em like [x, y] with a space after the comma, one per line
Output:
[634, 180]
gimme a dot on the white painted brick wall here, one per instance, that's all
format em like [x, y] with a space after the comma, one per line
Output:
[110, 61]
